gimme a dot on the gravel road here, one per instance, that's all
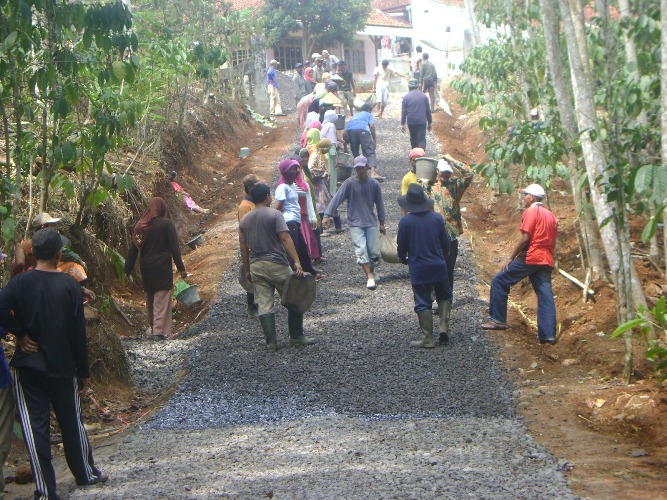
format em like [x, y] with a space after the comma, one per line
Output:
[360, 414]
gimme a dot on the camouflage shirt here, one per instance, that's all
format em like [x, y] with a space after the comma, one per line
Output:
[447, 199]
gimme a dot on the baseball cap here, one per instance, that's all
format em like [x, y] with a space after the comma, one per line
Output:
[44, 218]
[416, 153]
[298, 65]
[46, 242]
[444, 166]
[413, 83]
[360, 161]
[535, 190]
[273, 61]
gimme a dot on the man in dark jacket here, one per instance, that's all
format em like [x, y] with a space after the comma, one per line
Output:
[423, 243]
[50, 363]
[428, 77]
[417, 114]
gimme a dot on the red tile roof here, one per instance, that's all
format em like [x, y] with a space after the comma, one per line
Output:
[390, 4]
[246, 4]
[379, 18]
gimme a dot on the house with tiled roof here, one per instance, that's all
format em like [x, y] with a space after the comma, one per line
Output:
[440, 27]
[362, 56]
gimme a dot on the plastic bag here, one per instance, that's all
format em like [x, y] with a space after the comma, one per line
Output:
[389, 249]
[372, 100]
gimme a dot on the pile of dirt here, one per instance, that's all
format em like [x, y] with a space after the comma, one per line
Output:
[610, 436]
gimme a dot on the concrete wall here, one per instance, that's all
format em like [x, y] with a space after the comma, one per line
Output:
[430, 20]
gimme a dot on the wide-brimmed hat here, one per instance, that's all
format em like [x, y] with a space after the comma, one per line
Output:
[315, 55]
[535, 190]
[415, 200]
[273, 61]
[44, 218]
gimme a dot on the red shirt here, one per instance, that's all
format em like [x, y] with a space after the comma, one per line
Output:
[542, 227]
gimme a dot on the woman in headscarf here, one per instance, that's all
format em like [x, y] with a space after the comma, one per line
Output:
[309, 217]
[318, 164]
[287, 201]
[310, 79]
[310, 125]
[155, 242]
[329, 126]
[312, 138]
[302, 108]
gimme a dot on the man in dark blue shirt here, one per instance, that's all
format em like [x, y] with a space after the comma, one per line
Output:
[417, 114]
[423, 244]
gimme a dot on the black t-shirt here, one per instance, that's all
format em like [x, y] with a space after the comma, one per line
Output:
[48, 307]
[349, 78]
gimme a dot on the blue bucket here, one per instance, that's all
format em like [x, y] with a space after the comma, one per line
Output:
[188, 296]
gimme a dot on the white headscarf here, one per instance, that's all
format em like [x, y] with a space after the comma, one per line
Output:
[330, 116]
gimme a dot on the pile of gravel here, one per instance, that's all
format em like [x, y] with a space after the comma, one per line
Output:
[359, 414]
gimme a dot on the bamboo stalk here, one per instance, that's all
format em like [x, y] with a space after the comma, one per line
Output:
[574, 280]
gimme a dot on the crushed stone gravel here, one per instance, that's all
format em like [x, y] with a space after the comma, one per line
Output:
[359, 414]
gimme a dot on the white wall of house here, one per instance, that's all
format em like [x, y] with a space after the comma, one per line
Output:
[442, 26]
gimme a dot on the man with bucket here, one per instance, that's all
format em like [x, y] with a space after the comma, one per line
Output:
[423, 244]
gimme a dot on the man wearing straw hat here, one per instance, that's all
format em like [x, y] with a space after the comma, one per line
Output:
[532, 257]
[423, 244]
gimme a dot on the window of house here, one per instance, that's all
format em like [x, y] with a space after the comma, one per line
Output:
[356, 58]
[288, 53]
[240, 56]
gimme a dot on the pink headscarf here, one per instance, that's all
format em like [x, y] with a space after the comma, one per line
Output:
[284, 166]
[308, 75]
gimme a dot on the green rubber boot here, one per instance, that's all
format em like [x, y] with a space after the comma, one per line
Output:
[295, 327]
[444, 311]
[268, 322]
[253, 311]
[426, 325]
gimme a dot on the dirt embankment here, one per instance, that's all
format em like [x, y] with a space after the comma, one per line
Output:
[613, 436]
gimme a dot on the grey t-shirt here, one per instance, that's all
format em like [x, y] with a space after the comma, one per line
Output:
[259, 231]
[361, 198]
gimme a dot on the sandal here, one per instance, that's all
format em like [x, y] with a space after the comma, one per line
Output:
[494, 325]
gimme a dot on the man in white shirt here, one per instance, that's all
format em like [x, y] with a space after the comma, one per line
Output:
[382, 77]
[415, 62]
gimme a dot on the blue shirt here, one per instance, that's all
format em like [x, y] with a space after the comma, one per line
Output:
[271, 77]
[423, 241]
[361, 120]
[287, 194]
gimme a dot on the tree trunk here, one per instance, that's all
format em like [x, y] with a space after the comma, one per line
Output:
[663, 110]
[260, 95]
[551, 25]
[615, 239]
[474, 25]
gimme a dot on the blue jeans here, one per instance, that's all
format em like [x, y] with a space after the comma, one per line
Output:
[366, 241]
[540, 278]
[422, 294]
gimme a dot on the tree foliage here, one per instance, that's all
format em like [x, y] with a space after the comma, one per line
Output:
[324, 23]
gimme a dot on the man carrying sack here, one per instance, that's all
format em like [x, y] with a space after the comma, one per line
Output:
[265, 244]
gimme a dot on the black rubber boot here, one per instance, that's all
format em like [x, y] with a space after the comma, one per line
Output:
[295, 327]
[253, 311]
[268, 322]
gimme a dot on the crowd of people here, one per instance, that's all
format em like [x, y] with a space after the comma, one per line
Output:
[280, 240]
[272, 240]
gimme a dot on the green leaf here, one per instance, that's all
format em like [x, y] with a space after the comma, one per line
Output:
[119, 70]
[9, 41]
[628, 325]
